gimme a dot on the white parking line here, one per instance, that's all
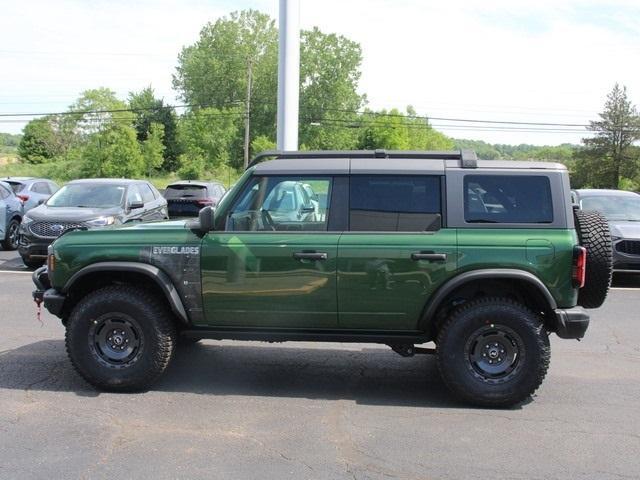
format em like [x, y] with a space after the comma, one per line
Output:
[14, 271]
[625, 288]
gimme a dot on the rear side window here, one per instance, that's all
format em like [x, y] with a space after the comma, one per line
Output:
[41, 187]
[4, 193]
[394, 203]
[185, 191]
[17, 187]
[507, 199]
[147, 193]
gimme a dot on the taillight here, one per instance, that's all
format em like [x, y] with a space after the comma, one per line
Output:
[579, 266]
[23, 197]
[206, 201]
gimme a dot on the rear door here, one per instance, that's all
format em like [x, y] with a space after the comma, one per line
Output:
[275, 264]
[396, 253]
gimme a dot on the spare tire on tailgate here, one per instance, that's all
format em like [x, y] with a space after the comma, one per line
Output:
[594, 235]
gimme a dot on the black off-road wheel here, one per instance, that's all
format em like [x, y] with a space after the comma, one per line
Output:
[594, 235]
[121, 338]
[493, 352]
[10, 241]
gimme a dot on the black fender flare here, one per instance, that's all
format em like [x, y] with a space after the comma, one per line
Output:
[483, 274]
[154, 273]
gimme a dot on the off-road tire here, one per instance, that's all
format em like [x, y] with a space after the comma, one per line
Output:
[10, 241]
[594, 235]
[32, 264]
[157, 336]
[461, 374]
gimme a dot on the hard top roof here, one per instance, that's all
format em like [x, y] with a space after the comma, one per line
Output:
[599, 192]
[384, 161]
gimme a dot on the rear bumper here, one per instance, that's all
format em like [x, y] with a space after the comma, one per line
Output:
[571, 322]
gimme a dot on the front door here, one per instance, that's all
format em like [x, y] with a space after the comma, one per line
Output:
[275, 263]
[395, 254]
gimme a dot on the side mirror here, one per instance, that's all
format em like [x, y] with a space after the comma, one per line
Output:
[308, 209]
[136, 205]
[205, 219]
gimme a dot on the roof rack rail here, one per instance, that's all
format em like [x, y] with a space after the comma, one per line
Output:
[467, 158]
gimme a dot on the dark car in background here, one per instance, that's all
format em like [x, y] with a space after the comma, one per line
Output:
[622, 210]
[32, 191]
[84, 204]
[10, 217]
[186, 198]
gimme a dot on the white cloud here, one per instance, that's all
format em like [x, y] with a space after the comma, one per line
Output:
[544, 61]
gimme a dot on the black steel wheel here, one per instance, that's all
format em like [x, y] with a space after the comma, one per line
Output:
[493, 352]
[10, 241]
[121, 337]
[116, 340]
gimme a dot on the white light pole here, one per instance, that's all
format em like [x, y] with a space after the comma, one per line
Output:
[288, 74]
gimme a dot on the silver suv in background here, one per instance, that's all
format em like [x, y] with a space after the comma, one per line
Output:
[32, 191]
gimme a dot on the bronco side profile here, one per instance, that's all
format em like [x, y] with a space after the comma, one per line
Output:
[484, 258]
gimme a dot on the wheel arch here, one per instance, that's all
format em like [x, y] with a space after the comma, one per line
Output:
[492, 281]
[116, 270]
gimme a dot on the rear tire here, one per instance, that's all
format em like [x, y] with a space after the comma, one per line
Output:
[594, 235]
[493, 352]
[120, 338]
[10, 241]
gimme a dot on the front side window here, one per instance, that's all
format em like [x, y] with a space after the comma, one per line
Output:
[41, 187]
[147, 193]
[281, 204]
[507, 199]
[395, 203]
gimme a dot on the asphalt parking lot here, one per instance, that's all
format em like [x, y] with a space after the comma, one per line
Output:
[316, 411]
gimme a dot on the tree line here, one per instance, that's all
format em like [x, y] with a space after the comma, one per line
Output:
[227, 80]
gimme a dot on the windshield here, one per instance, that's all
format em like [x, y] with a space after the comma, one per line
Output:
[614, 207]
[89, 195]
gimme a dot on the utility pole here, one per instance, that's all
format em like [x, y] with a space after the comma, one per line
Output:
[288, 74]
[247, 113]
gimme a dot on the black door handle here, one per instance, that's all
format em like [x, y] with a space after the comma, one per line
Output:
[429, 256]
[310, 255]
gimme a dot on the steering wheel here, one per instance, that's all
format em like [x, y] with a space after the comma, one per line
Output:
[267, 220]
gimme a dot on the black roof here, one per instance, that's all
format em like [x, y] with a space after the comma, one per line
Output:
[108, 181]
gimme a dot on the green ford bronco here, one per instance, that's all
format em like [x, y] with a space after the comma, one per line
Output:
[484, 258]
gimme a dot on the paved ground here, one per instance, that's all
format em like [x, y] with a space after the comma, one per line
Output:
[250, 410]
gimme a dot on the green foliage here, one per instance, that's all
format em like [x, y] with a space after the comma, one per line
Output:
[394, 130]
[113, 152]
[40, 142]
[153, 148]
[262, 144]
[610, 154]
[209, 133]
[148, 110]
[191, 166]
[9, 141]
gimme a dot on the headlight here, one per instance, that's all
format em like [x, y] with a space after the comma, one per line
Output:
[26, 219]
[101, 221]
[615, 239]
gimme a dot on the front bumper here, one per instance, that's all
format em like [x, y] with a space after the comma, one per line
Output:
[571, 322]
[52, 299]
[32, 247]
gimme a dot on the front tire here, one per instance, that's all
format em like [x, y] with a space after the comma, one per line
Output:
[120, 338]
[493, 352]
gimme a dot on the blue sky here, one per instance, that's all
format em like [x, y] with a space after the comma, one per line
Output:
[535, 61]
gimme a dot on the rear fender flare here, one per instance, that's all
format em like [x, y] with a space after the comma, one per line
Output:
[492, 273]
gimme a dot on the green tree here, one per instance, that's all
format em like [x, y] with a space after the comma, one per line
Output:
[209, 133]
[262, 144]
[147, 110]
[113, 152]
[153, 148]
[40, 141]
[96, 109]
[609, 154]
[191, 166]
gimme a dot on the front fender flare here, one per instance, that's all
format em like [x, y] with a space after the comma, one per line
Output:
[154, 273]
